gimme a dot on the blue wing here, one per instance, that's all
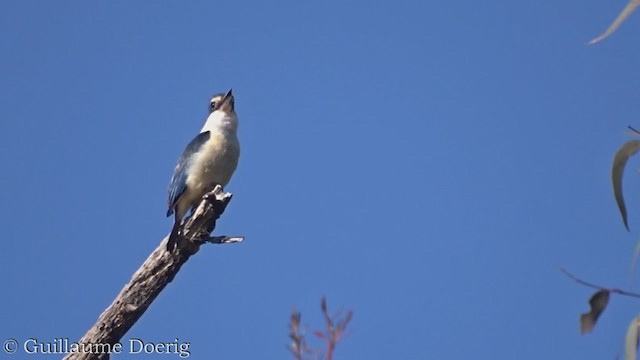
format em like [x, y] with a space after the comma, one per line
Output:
[179, 179]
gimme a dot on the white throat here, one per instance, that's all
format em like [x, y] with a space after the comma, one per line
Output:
[221, 122]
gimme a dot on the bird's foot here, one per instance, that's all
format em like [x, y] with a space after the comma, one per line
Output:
[212, 195]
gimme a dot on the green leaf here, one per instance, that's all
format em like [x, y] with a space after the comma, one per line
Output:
[617, 170]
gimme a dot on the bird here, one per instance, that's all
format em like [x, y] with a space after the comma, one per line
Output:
[210, 159]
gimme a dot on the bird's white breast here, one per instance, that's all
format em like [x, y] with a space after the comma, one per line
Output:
[217, 159]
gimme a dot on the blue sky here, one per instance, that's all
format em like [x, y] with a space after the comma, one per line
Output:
[425, 164]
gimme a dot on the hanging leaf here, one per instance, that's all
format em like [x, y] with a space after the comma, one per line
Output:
[631, 340]
[631, 6]
[634, 260]
[617, 170]
[598, 303]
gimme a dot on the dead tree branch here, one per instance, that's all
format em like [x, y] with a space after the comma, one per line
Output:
[155, 273]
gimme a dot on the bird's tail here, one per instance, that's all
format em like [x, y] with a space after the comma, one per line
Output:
[171, 242]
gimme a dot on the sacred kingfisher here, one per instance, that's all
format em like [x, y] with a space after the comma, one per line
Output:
[209, 160]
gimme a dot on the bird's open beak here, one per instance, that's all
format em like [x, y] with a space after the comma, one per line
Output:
[226, 104]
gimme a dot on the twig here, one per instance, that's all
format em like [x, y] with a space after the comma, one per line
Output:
[591, 285]
[153, 276]
[336, 327]
[298, 346]
[633, 129]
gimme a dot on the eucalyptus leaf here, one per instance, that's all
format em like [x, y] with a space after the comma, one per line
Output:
[631, 340]
[631, 6]
[598, 303]
[617, 170]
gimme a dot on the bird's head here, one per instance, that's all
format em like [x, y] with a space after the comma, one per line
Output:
[222, 102]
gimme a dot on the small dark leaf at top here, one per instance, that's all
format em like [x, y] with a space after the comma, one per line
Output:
[598, 303]
[617, 170]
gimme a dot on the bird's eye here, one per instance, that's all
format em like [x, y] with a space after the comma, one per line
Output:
[213, 105]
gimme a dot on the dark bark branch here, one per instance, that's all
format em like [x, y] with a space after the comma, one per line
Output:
[155, 273]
